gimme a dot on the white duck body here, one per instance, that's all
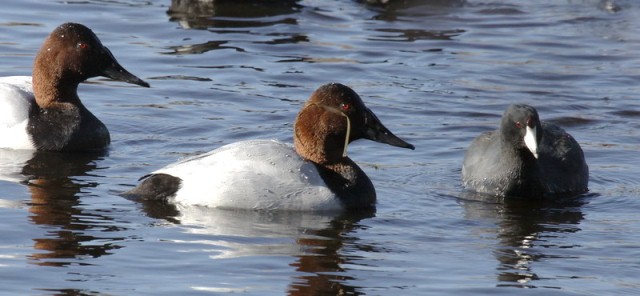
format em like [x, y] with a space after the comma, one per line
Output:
[253, 174]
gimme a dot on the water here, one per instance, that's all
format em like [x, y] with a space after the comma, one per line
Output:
[437, 73]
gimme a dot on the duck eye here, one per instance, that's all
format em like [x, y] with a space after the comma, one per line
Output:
[518, 124]
[345, 107]
[82, 45]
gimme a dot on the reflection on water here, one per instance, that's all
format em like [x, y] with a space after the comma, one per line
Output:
[53, 181]
[315, 240]
[410, 35]
[321, 266]
[231, 17]
[12, 162]
[204, 14]
[395, 10]
[524, 230]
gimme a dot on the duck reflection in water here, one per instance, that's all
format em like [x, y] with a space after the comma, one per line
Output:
[204, 14]
[240, 17]
[54, 181]
[392, 10]
[321, 267]
[317, 241]
[527, 231]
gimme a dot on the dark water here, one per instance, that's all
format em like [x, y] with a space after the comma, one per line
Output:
[437, 73]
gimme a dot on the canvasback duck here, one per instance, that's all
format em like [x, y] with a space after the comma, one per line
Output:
[44, 112]
[525, 158]
[313, 174]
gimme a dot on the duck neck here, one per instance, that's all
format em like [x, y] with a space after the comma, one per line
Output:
[51, 85]
[317, 139]
[320, 151]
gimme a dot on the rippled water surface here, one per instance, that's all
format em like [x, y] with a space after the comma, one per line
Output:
[436, 72]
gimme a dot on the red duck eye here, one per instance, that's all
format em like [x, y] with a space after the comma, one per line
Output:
[345, 107]
[518, 124]
[82, 45]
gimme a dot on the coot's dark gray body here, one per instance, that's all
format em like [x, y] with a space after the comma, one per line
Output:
[525, 158]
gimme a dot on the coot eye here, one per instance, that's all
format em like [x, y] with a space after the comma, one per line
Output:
[518, 124]
[345, 107]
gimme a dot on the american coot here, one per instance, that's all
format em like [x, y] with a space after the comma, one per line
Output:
[525, 158]
[315, 174]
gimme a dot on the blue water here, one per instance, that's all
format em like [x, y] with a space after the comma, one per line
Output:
[437, 73]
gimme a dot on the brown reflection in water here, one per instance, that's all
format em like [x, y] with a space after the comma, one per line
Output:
[524, 230]
[322, 262]
[55, 206]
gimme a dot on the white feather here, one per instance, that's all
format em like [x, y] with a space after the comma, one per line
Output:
[16, 98]
[255, 174]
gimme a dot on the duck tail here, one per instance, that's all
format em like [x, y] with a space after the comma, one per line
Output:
[155, 187]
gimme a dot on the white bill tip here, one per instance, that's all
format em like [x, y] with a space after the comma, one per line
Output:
[531, 141]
